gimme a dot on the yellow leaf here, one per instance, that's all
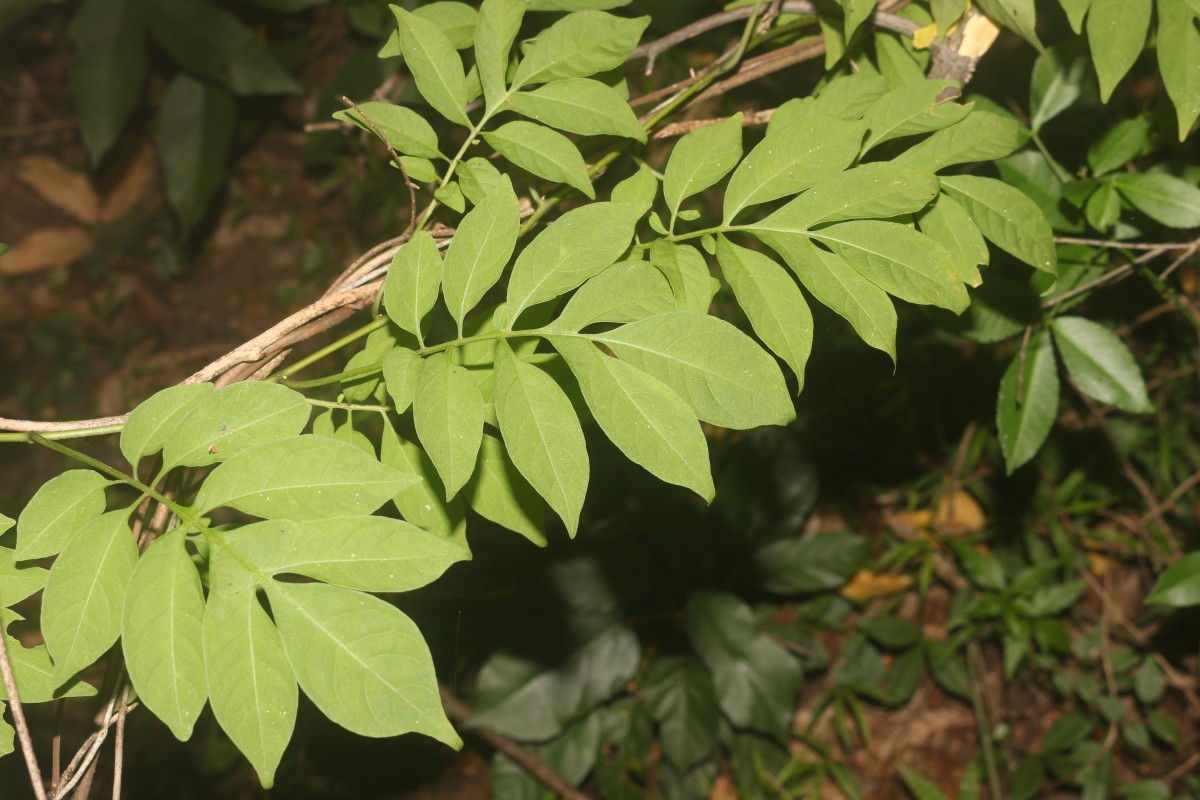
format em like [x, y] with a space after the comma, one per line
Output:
[958, 514]
[922, 38]
[46, 248]
[61, 187]
[867, 585]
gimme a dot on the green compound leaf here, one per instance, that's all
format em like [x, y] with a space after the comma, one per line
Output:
[809, 564]
[755, 678]
[402, 128]
[435, 64]
[448, 413]
[544, 152]
[195, 131]
[840, 287]
[624, 292]
[499, 493]
[372, 554]
[153, 420]
[531, 700]
[1024, 425]
[1116, 32]
[162, 634]
[647, 421]
[1164, 198]
[499, 21]
[949, 224]
[360, 660]
[60, 509]
[1007, 217]
[569, 251]
[251, 688]
[412, 283]
[1179, 585]
[401, 367]
[303, 477]
[1100, 364]
[700, 159]
[881, 189]
[1179, 59]
[423, 504]
[231, 420]
[81, 608]
[579, 45]
[480, 250]
[726, 378]
[899, 260]
[910, 110]
[773, 303]
[780, 165]
[542, 434]
[108, 69]
[980, 136]
[580, 105]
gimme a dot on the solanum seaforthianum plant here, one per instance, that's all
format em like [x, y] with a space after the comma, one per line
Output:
[232, 560]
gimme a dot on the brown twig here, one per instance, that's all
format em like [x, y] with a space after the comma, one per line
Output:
[119, 744]
[749, 120]
[1112, 276]
[458, 712]
[18, 715]
[412, 188]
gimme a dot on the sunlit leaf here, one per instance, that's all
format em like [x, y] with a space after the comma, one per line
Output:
[580, 105]
[700, 159]
[1007, 217]
[578, 45]
[57, 511]
[436, 66]
[481, 248]
[448, 413]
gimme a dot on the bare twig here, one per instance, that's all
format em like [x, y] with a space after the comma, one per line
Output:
[1112, 276]
[18, 715]
[458, 712]
[750, 120]
[119, 744]
[1115, 245]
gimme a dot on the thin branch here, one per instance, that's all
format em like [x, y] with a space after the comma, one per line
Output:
[1115, 245]
[119, 744]
[412, 188]
[458, 712]
[750, 120]
[18, 715]
[1112, 276]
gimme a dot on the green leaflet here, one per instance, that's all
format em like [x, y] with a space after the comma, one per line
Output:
[1019, 16]
[648, 422]
[108, 69]
[412, 283]
[1179, 60]
[726, 378]
[1179, 585]
[499, 21]
[435, 65]
[980, 136]
[478, 178]
[17, 582]
[569, 251]
[497, 492]
[370, 554]
[360, 660]
[809, 564]
[921, 787]
[1164, 198]
[687, 272]
[624, 292]
[947, 12]
[366, 387]
[231, 420]
[402, 128]
[574, 5]
[840, 287]
[480, 250]
[81, 607]
[1007, 217]
[909, 110]
[578, 45]
[542, 434]
[856, 13]
[34, 674]
[162, 634]
[700, 159]
[423, 504]
[456, 20]
[881, 189]
[544, 152]
[1025, 425]
[448, 413]
[401, 368]
[1060, 78]
[780, 165]
[56, 512]
[1121, 144]
[303, 477]
[195, 127]
[1075, 11]
[680, 698]
[1100, 364]
[947, 223]
[155, 418]
[1116, 31]
[754, 677]
[773, 303]
[847, 97]
[899, 260]
[640, 187]
[251, 688]
[580, 105]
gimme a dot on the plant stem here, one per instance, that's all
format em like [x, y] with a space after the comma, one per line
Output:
[981, 721]
[349, 338]
[77, 433]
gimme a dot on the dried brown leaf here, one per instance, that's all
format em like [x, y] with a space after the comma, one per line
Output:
[47, 248]
[61, 187]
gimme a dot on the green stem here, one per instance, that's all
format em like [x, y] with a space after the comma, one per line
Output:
[75, 433]
[282, 375]
[347, 406]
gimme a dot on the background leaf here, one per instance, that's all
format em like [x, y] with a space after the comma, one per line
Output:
[1116, 32]
[1179, 60]
[195, 129]
[1025, 425]
[108, 70]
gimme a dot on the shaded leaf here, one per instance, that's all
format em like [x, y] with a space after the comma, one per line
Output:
[681, 698]
[1121, 144]
[1116, 31]
[499, 493]
[60, 508]
[423, 503]
[108, 68]
[948, 223]
[404, 129]
[1179, 59]
[1100, 363]
[195, 130]
[687, 272]
[809, 564]
[1060, 78]
[1179, 585]
[1007, 217]
[1164, 198]
[1024, 425]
